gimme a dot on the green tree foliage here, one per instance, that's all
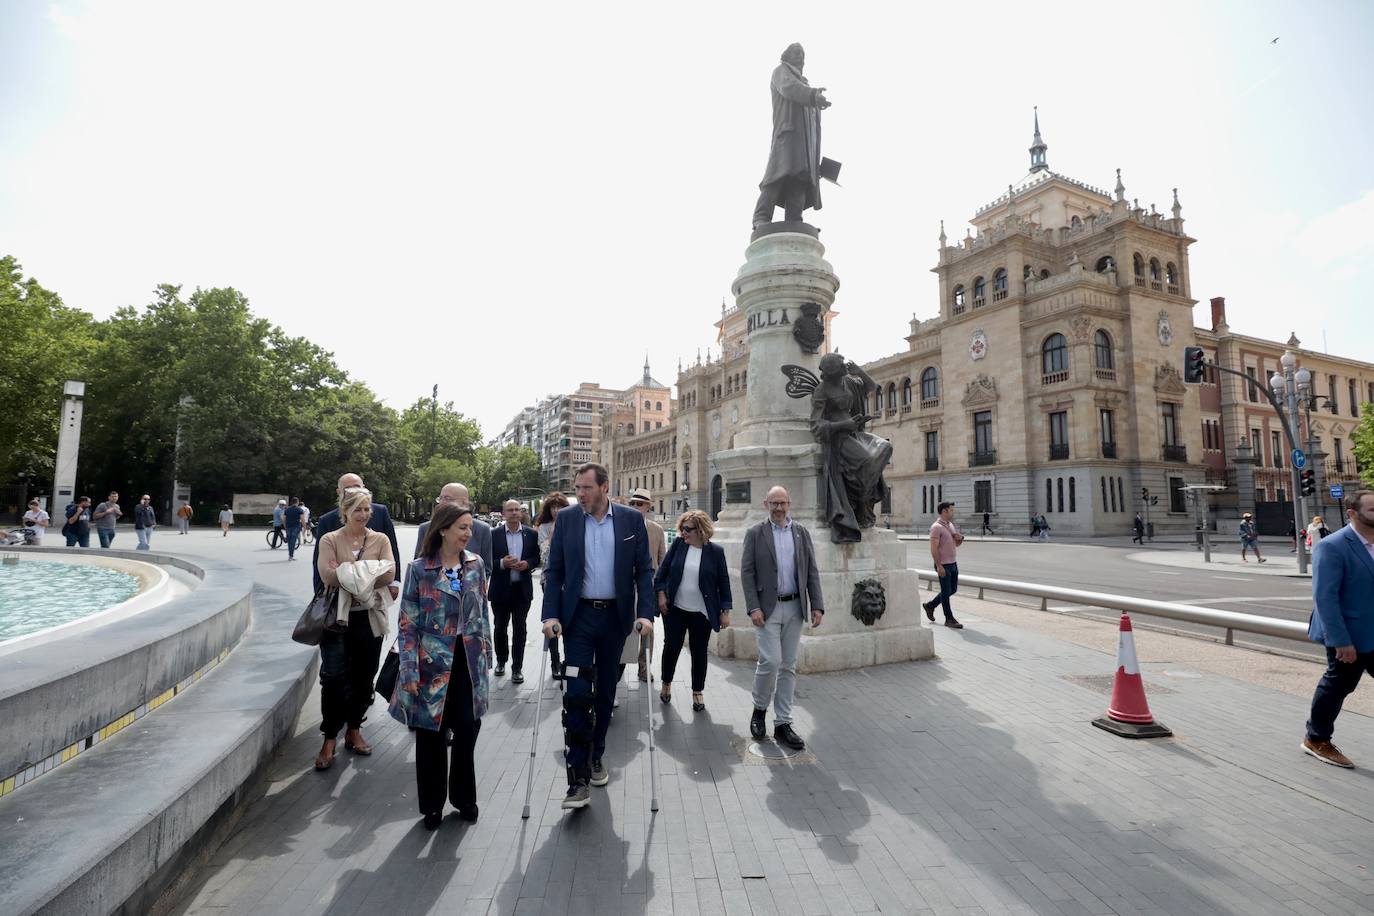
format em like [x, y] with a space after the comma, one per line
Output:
[438, 431]
[492, 475]
[1364, 444]
[44, 343]
[516, 475]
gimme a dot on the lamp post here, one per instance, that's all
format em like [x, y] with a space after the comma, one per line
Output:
[1284, 386]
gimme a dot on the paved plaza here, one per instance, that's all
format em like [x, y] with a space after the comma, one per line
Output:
[972, 783]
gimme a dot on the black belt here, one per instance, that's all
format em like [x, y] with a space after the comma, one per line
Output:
[791, 597]
[598, 602]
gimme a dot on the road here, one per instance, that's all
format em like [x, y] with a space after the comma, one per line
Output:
[1108, 568]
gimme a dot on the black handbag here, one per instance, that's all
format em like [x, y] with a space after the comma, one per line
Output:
[386, 677]
[320, 616]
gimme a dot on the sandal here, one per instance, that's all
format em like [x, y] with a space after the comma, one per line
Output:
[361, 747]
[322, 762]
[666, 694]
[697, 704]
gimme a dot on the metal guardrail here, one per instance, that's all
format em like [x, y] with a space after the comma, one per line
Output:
[1230, 621]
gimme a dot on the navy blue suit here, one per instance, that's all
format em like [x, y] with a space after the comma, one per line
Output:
[1343, 589]
[380, 522]
[510, 601]
[594, 637]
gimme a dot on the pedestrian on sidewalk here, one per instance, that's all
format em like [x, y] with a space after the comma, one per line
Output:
[349, 655]
[1292, 535]
[693, 585]
[944, 544]
[184, 513]
[1315, 532]
[379, 521]
[512, 588]
[1343, 621]
[480, 544]
[987, 524]
[294, 518]
[548, 513]
[145, 520]
[77, 530]
[598, 590]
[444, 641]
[37, 521]
[1138, 526]
[1249, 537]
[1042, 526]
[105, 516]
[643, 500]
[780, 581]
[226, 519]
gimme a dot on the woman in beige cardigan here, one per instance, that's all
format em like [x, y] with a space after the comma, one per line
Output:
[349, 656]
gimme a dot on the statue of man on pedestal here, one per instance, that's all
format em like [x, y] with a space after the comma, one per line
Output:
[793, 177]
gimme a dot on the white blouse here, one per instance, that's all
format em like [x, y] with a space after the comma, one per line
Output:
[689, 596]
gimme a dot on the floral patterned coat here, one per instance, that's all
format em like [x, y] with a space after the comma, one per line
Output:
[433, 615]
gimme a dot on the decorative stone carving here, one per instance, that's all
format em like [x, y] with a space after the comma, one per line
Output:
[978, 345]
[1165, 329]
[808, 330]
[1168, 381]
[1082, 326]
[869, 602]
[982, 390]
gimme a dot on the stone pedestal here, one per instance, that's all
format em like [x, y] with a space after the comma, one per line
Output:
[774, 447]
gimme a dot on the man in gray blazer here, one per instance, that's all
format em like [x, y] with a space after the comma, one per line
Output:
[480, 544]
[780, 579]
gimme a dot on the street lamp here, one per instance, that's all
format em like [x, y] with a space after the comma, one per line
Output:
[1284, 386]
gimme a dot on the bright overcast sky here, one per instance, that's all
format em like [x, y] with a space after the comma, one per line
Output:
[508, 199]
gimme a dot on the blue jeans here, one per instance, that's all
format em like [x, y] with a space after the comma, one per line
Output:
[293, 537]
[144, 536]
[73, 539]
[949, 584]
[1339, 681]
[594, 638]
[106, 536]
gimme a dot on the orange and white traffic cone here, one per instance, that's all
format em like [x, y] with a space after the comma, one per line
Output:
[1128, 715]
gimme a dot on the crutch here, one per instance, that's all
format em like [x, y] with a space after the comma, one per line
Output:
[649, 704]
[534, 741]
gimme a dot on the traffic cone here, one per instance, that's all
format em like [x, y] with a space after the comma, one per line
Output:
[1128, 715]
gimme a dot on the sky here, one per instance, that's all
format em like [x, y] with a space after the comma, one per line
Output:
[510, 199]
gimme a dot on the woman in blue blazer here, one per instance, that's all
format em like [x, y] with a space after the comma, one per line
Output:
[693, 586]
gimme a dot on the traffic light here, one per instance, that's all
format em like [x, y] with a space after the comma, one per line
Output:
[1194, 364]
[1309, 482]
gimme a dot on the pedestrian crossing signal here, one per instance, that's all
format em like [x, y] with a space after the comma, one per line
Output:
[1194, 364]
[1309, 482]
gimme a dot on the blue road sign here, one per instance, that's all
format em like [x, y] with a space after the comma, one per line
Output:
[1299, 459]
[1337, 491]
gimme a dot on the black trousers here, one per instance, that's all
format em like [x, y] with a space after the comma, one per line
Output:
[679, 625]
[348, 668]
[1339, 681]
[511, 613]
[434, 774]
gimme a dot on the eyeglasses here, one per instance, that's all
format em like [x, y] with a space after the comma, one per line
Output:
[779, 505]
[687, 529]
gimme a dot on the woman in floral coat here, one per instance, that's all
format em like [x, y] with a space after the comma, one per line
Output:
[444, 605]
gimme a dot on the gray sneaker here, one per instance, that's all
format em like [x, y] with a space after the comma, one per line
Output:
[600, 775]
[579, 796]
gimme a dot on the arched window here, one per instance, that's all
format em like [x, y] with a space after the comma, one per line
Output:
[906, 392]
[1154, 269]
[1054, 354]
[980, 289]
[999, 285]
[1105, 263]
[1059, 481]
[1044, 274]
[1139, 264]
[1171, 274]
[930, 384]
[1102, 350]
[658, 405]
[646, 405]
[1073, 494]
[891, 396]
[620, 427]
[959, 298]
[1049, 494]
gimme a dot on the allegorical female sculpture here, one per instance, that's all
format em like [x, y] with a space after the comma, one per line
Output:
[852, 473]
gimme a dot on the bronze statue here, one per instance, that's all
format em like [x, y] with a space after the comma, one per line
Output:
[869, 601]
[852, 471]
[792, 179]
[808, 330]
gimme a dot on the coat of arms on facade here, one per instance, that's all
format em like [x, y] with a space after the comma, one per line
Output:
[1166, 329]
[808, 330]
[978, 346]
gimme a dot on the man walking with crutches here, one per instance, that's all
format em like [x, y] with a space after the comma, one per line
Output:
[598, 587]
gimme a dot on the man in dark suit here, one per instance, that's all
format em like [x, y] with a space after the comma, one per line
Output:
[480, 544]
[1343, 621]
[380, 522]
[598, 586]
[779, 576]
[512, 587]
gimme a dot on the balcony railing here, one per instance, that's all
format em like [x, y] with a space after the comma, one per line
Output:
[1054, 378]
[1175, 453]
[906, 408]
[959, 309]
[998, 295]
[1173, 289]
[1059, 452]
[1140, 281]
[927, 403]
[1156, 286]
[1108, 449]
[980, 459]
[979, 302]
[932, 464]
[1105, 375]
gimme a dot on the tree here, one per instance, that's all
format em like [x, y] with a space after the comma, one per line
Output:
[438, 431]
[516, 474]
[1363, 446]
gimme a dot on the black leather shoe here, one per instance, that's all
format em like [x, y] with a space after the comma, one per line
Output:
[517, 677]
[757, 727]
[783, 734]
[930, 611]
[468, 813]
[953, 624]
[433, 820]
[500, 670]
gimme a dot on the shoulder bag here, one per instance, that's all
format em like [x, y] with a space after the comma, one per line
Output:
[390, 670]
[320, 616]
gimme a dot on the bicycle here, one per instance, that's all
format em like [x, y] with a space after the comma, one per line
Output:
[276, 537]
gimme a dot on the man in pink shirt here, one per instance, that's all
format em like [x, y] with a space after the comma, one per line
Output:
[944, 541]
